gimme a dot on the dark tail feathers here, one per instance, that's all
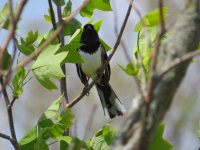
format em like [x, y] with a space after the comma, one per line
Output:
[111, 104]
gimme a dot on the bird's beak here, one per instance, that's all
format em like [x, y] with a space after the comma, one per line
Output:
[89, 28]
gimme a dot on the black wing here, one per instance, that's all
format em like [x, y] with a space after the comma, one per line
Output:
[84, 79]
[106, 74]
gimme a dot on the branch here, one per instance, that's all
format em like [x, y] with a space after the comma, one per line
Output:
[4, 136]
[156, 53]
[63, 82]
[101, 70]
[53, 20]
[125, 50]
[10, 116]
[12, 29]
[49, 40]
[179, 61]
[138, 128]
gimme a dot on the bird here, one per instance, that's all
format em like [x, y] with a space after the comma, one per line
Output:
[94, 55]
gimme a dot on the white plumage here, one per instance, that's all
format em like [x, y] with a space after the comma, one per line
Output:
[92, 62]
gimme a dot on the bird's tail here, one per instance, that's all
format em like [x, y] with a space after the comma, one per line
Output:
[111, 104]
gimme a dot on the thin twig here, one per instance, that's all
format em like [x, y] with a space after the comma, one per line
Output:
[156, 53]
[125, 50]
[63, 82]
[12, 102]
[178, 61]
[52, 14]
[12, 29]
[4, 136]
[151, 84]
[49, 40]
[162, 19]
[87, 88]
[10, 116]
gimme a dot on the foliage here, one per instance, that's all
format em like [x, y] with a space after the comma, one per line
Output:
[96, 4]
[158, 142]
[51, 125]
[18, 82]
[47, 66]
[147, 29]
[103, 138]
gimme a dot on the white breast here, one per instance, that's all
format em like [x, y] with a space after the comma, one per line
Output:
[92, 62]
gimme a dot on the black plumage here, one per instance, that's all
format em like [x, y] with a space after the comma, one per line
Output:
[95, 55]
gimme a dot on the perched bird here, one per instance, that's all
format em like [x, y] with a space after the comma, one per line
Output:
[94, 56]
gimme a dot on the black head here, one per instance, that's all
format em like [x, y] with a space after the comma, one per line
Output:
[89, 39]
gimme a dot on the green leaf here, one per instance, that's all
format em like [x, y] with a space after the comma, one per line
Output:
[72, 49]
[67, 139]
[142, 56]
[151, 19]
[47, 18]
[4, 16]
[38, 144]
[62, 2]
[30, 136]
[51, 111]
[75, 144]
[158, 142]
[106, 46]
[130, 69]
[103, 5]
[5, 19]
[32, 141]
[6, 61]
[65, 118]
[18, 82]
[103, 138]
[67, 9]
[71, 27]
[48, 65]
[27, 44]
[97, 26]
[64, 121]
[46, 129]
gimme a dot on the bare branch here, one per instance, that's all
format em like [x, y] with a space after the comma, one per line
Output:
[156, 53]
[10, 116]
[179, 61]
[52, 14]
[12, 29]
[63, 82]
[6, 137]
[125, 50]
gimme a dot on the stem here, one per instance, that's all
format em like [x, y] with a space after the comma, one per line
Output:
[10, 116]
[63, 83]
